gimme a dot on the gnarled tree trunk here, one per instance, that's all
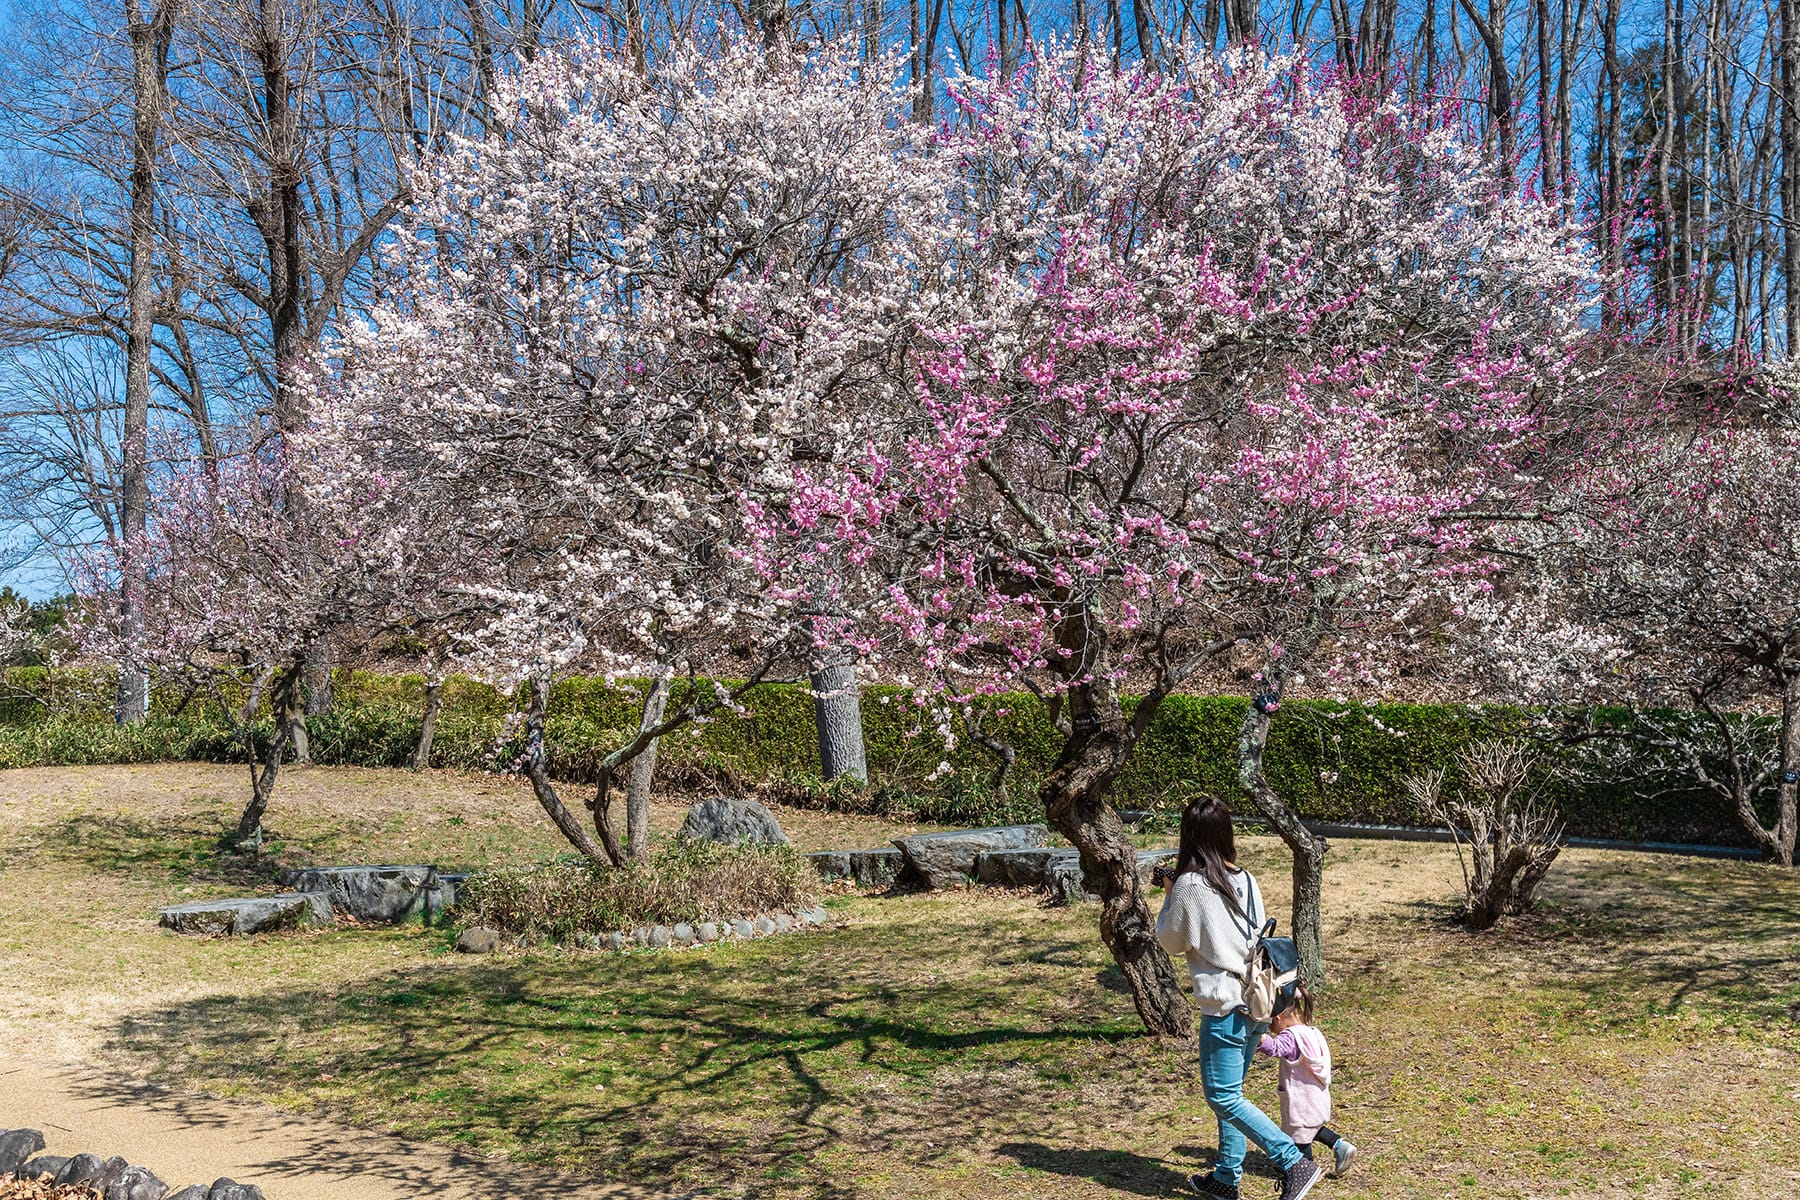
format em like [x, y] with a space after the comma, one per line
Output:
[249, 832]
[1779, 840]
[537, 770]
[1308, 848]
[1075, 799]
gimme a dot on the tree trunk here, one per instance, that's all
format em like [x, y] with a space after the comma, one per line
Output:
[537, 770]
[290, 715]
[1096, 748]
[837, 713]
[249, 832]
[1790, 169]
[314, 699]
[434, 700]
[643, 768]
[1780, 839]
[1612, 206]
[150, 65]
[1308, 849]
[321, 690]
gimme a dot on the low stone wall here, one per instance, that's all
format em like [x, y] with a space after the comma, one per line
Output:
[110, 1178]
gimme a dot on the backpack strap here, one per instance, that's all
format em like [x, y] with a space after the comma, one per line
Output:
[1252, 894]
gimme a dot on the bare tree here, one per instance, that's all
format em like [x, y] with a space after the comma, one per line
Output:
[1511, 834]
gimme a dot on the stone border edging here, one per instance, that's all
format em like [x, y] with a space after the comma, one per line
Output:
[112, 1178]
[481, 939]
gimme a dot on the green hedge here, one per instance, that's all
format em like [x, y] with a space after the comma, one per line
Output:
[1331, 761]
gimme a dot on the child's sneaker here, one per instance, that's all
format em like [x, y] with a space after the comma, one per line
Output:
[1298, 1179]
[1345, 1154]
[1209, 1185]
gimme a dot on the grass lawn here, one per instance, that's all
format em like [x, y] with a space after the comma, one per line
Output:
[1637, 1038]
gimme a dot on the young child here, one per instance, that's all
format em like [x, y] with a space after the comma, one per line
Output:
[1305, 1081]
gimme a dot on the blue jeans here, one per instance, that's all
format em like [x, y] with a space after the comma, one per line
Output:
[1227, 1045]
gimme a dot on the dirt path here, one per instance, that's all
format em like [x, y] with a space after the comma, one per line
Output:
[191, 1139]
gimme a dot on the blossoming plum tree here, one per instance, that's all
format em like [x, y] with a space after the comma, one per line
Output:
[1672, 566]
[1244, 364]
[238, 590]
[618, 315]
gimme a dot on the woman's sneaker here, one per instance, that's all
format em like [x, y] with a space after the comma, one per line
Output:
[1208, 1185]
[1345, 1155]
[1299, 1179]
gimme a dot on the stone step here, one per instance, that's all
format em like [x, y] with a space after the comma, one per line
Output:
[389, 893]
[256, 914]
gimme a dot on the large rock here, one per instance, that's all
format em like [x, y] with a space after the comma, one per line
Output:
[876, 868]
[259, 914]
[136, 1183]
[377, 893]
[732, 822]
[945, 859]
[1066, 884]
[89, 1168]
[17, 1145]
[193, 1191]
[230, 1189]
[44, 1166]
[478, 940]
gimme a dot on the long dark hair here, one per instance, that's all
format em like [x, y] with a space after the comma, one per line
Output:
[1207, 845]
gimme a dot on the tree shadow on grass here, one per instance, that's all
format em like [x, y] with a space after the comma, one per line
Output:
[186, 850]
[1115, 1169]
[1719, 937]
[756, 1068]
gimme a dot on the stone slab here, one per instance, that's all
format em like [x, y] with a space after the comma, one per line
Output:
[256, 914]
[385, 893]
[941, 860]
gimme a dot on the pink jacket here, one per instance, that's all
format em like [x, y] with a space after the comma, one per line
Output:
[1305, 1079]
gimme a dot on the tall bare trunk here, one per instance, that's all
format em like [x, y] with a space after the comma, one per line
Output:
[1612, 205]
[149, 77]
[1547, 177]
[1790, 170]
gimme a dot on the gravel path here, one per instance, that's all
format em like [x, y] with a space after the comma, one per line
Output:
[188, 1139]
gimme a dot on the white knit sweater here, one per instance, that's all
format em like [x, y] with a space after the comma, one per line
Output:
[1196, 921]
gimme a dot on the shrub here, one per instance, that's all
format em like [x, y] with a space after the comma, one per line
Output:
[1331, 762]
[680, 882]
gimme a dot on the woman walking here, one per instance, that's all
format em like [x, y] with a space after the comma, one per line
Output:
[1211, 913]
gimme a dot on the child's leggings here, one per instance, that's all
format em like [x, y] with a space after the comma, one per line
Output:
[1326, 1137]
